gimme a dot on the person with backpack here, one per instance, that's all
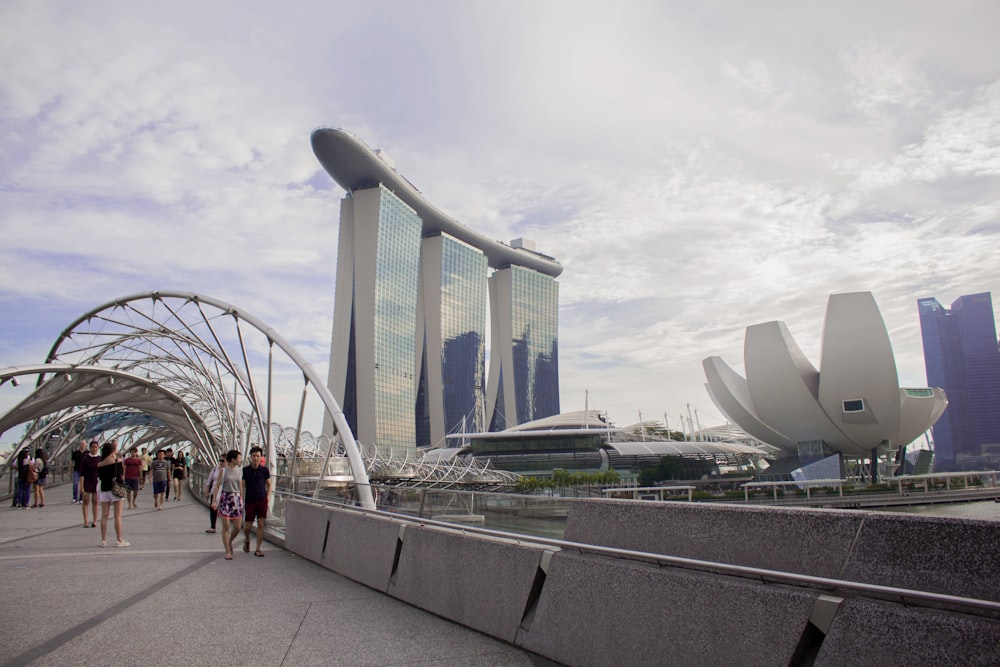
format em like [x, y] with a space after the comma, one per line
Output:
[41, 473]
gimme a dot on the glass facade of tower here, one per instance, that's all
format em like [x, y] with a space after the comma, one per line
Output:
[463, 335]
[397, 263]
[463, 271]
[961, 356]
[534, 314]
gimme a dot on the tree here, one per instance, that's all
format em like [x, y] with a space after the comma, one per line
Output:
[669, 467]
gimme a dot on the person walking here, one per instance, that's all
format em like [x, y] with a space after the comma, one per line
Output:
[180, 473]
[88, 473]
[41, 467]
[75, 457]
[146, 460]
[255, 487]
[109, 470]
[227, 500]
[160, 469]
[213, 478]
[133, 470]
[168, 456]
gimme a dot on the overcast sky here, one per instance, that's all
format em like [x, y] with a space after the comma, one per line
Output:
[696, 166]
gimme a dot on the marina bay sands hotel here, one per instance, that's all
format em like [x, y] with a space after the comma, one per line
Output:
[408, 356]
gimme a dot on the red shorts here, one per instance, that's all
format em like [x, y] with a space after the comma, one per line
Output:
[255, 510]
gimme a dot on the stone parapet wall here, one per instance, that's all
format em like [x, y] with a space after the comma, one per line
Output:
[934, 554]
[580, 608]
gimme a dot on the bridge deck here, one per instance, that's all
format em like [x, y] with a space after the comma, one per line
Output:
[171, 599]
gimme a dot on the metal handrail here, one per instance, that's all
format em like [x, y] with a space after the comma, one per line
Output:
[688, 563]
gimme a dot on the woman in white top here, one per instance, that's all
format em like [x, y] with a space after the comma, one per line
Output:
[227, 501]
[42, 473]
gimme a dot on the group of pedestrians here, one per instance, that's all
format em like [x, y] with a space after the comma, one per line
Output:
[96, 469]
[31, 477]
[240, 496]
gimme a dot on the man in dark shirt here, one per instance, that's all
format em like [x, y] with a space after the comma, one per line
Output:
[161, 478]
[88, 480]
[76, 456]
[169, 458]
[255, 487]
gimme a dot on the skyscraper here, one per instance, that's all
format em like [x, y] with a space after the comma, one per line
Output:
[524, 367]
[961, 355]
[452, 353]
[377, 265]
[408, 355]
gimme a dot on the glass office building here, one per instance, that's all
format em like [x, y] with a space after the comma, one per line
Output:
[453, 351]
[961, 356]
[523, 383]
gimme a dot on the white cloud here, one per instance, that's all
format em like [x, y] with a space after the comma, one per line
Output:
[882, 81]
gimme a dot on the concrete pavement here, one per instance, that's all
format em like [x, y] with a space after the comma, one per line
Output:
[171, 599]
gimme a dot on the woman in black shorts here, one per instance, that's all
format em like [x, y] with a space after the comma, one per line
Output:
[180, 472]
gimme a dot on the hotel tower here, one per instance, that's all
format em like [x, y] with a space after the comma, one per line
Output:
[408, 355]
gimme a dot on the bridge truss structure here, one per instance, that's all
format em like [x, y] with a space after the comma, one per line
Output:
[181, 370]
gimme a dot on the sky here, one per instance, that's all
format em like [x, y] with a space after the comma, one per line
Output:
[697, 167]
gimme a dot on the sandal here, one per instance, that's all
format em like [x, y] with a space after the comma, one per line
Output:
[229, 556]
[258, 553]
[246, 545]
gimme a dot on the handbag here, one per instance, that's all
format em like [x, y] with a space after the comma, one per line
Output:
[118, 488]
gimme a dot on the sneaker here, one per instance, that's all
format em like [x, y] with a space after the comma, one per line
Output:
[121, 543]
[104, 543]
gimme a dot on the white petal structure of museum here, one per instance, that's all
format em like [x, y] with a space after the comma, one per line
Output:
[852, 405]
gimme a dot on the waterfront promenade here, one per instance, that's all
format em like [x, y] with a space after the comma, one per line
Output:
[171, 599]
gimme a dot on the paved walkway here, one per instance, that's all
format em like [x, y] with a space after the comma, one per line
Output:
[171, 599]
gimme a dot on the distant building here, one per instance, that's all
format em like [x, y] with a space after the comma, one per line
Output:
[961, 354]
[584, 441]
[852, 407]
[408, 355]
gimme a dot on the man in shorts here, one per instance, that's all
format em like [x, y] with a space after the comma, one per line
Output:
[161, 478]
[255, 487]
[133, 470]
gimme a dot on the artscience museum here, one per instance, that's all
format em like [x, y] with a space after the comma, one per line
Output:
[851, 408]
